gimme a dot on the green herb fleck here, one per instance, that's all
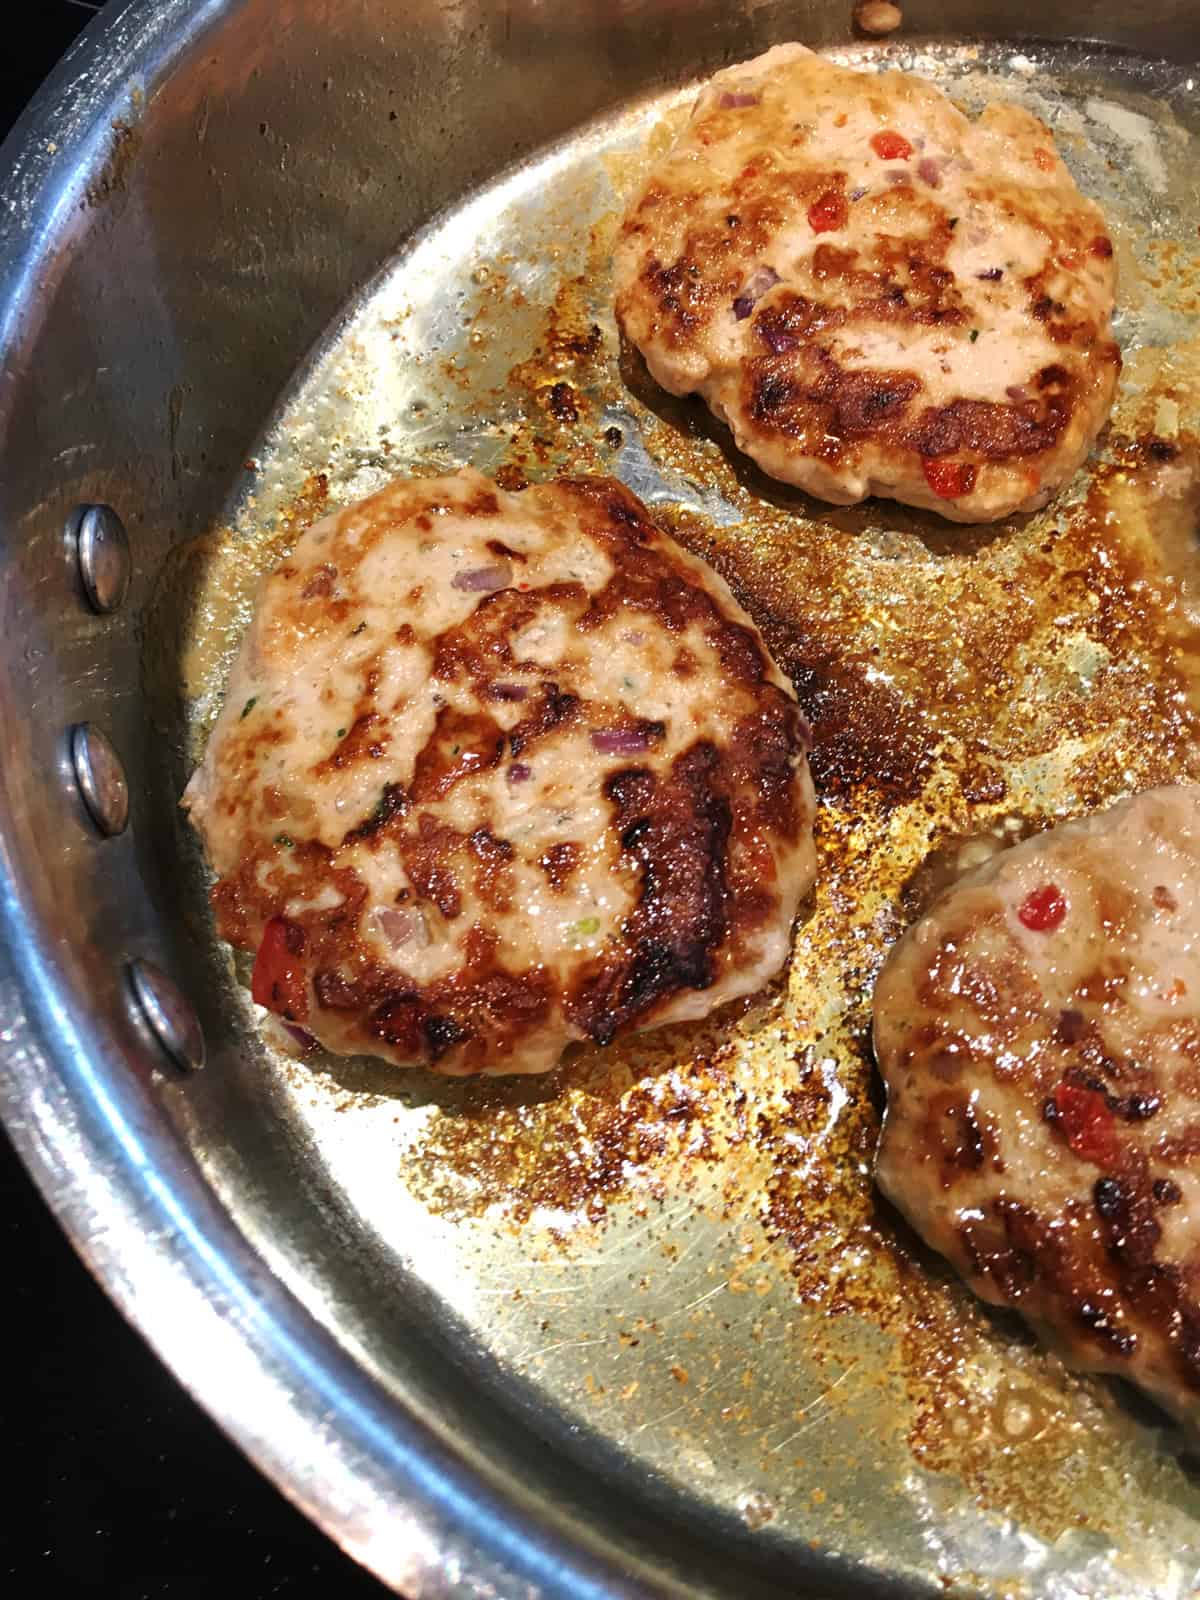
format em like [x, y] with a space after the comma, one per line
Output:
[249, 706]
[954, 222]
[627, 681]
[454, 749]
[341, 733]
[586, 926]
[361, 628]
[974, 334]
[285, 839]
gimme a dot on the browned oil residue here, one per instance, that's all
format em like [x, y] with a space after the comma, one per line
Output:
[114, 174]
[583, 1135]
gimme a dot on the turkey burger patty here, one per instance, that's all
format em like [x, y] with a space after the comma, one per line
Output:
[496, 772]
[1039, 1033]
[877, 295]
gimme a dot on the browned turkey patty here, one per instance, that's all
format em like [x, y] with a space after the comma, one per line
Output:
[878, 295]
[496, 772]
[1039, 1034]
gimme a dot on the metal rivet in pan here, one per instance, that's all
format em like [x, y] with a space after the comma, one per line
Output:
[104, 561]
[101, 778]
[167, 1012]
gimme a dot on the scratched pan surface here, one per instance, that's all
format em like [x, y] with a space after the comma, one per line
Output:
[670, 1255]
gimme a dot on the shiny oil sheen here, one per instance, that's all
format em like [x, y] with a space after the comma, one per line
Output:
[641, 1327]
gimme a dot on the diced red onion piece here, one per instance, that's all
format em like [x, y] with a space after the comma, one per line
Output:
[620, 741]
[857, 194]
[761, 279]
[1017, 391]
[633, 636]
[931, 171]
[507, 691]
[519, 772]
[730, 100]
[303, 1039]
[777, 340]
[482, 580]
[992, 275]
[401, 926]
[896, 174]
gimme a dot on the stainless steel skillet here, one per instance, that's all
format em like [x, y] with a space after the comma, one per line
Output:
[639, 1329]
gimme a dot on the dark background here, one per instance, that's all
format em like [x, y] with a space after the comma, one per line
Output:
[118, 1484]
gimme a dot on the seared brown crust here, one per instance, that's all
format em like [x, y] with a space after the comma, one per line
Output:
[703, 835]
[677, 834]
[1040, 1042]
[777, 255]
[797, 389]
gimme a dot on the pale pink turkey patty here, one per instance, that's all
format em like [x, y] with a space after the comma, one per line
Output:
[496, 772]
[1039, 1033]
[878, 295]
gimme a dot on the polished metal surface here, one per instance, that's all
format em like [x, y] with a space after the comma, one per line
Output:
[104, 557]
[382, 1290]
[100, 778]
[168, 1013]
